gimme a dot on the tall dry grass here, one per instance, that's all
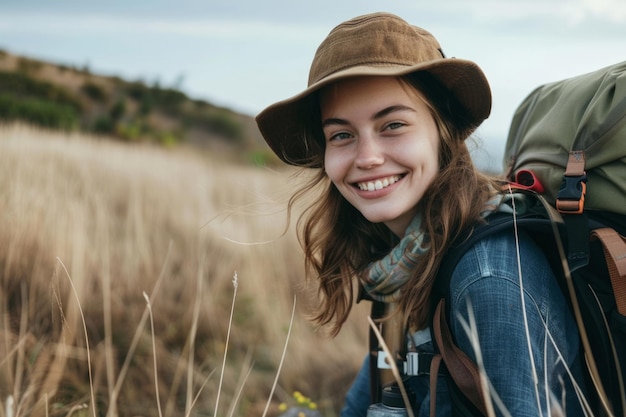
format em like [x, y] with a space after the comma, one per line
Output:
[87, 226]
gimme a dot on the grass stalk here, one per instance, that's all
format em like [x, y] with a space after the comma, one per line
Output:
[523, 304]
[154, 354]
[197, 396]
[192, 338]
[486, 387]
[246, 364]
[282, 358]
[19, 367]
[230, 323]
[82, 316]
[108, 330]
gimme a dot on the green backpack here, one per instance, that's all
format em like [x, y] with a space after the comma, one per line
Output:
[584, 114]
[567, 141]
[567, 148]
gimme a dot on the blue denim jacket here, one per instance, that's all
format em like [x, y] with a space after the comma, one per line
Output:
[529, 345]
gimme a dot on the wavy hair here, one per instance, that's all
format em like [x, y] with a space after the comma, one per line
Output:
[339, 243]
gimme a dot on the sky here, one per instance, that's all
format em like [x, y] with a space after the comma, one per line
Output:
[247, 54]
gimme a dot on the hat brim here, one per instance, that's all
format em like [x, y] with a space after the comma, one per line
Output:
[282, 123]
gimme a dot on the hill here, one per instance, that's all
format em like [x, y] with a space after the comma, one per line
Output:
[61, 97]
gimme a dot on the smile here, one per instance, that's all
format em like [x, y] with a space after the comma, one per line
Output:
[378, 184]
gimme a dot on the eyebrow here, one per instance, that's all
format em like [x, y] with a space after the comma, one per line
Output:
[382, 113]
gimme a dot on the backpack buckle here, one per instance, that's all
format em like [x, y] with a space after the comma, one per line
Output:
[571, 197]
[416, 364]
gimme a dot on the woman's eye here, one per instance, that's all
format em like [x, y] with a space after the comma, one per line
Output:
[340, 136]
[394, 125]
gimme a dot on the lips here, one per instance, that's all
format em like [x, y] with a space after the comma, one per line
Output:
[377, 184]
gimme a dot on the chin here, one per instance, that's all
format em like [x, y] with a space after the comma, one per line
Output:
[377, 218]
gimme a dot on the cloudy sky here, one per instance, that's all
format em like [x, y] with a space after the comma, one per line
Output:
[246, 54]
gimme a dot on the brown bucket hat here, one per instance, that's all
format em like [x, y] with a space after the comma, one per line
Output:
[373, 44]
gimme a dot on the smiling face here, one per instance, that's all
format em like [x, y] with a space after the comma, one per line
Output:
[382, 147]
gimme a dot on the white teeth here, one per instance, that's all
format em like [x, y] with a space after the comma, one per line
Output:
[378, 184]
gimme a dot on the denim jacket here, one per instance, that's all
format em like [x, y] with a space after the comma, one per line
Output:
[520, 329]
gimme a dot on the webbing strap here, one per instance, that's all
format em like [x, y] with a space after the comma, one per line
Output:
[614, 247]
[391, 327]
[571, 197]
[434, 372]
[463, 370]
[575, 164]
[378, 311]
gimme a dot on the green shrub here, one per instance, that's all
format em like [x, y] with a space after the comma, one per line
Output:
[131, 131]
[145, 105]
[21, 85]
[39, 112]
[137, 90]
[167, 139]
[104, 124]
[118, 110]
[166, 100]
[94, 92]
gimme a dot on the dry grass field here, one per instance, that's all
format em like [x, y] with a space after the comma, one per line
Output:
[116, 285]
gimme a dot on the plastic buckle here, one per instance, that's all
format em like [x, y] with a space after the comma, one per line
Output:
[411, 366]
[417, 363]
[571, 197]
[382, 362]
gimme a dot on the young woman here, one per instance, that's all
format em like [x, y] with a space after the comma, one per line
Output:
[383, 122]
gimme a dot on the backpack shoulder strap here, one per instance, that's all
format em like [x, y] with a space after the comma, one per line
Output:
[461, 368]
[614, 247]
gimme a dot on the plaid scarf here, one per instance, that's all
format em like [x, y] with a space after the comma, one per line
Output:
[384, 278]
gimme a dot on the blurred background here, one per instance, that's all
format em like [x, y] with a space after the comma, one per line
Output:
[148, 265]
[246, 54]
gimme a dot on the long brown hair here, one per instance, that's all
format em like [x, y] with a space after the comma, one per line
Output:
[339, 242]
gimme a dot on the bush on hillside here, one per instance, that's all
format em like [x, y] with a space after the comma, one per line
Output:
[167, 100]
[21, 85]
[104, 125]
[39, 112]
[94, 92]
[118, 110]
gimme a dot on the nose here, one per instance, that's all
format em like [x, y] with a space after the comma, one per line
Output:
[369, 153]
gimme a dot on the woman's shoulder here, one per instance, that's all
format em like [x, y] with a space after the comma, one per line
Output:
[501, 252]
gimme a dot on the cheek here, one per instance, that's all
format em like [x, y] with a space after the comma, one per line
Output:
[333, 166]
[433, 167]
